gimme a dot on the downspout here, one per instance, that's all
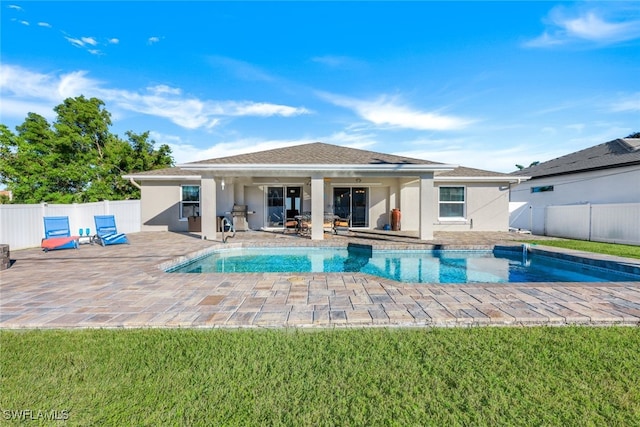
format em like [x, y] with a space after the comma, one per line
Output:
[138, 186]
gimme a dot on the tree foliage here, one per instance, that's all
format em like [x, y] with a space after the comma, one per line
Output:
[536, 163]
[77, 159]
[634, 135]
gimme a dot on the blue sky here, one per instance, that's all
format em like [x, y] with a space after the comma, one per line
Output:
[480, 84]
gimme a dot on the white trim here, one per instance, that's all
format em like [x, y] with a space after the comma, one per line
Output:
[163, 177]
[449, 179]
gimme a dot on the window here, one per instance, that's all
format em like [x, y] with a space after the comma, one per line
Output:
[451, 202]
[542, 189]
[190, 201]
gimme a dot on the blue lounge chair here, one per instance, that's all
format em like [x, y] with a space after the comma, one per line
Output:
[107, 233]
[57, 234]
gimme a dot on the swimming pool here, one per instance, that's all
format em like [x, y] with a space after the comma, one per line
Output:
[411, 266]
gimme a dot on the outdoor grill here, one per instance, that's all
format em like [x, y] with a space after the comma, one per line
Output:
[239, 217]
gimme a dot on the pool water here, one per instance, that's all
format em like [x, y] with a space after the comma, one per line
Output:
[404, 266]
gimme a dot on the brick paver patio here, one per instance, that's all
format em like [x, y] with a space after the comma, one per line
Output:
[123, 286]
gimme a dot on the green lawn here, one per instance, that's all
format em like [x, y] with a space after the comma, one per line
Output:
[564, 376]
[628, 251]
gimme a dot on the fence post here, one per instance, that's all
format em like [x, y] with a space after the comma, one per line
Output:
[43, 211]
[590, 206]
[106, 207]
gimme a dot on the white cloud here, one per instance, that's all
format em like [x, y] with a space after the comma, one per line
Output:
[25, 87]
[240, 69]
[264, 109]
[609, 25]
[89, 40]
[479, 156]
[113, 41]
[14, 7]
[164, 90]
[44, 24]
[627, 103]
[389, 112]
[152, 40]
[26, 23]
[184, 152]
[75, 42]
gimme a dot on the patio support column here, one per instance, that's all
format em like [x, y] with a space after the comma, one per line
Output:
[427, 208]
[317, 208]
[208, 207]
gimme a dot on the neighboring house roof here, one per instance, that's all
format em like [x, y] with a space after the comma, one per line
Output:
[612, 154]
[319, 156]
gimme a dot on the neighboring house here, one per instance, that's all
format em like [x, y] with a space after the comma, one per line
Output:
[362, 186]
[603, 174]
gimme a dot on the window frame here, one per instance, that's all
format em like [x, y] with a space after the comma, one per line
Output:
[541, 189]
[463, 202]
[185, 203]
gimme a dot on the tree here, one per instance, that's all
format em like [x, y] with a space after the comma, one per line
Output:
[536, 163]
[634, 135]
[78, 160]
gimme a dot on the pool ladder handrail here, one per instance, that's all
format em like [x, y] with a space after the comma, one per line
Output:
[526, 248]
[224, 223]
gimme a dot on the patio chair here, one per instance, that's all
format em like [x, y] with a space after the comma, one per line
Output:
[330, 222]
[304, 228]
[341, 225]
[106, 231]
[57, 234]
[291, 222]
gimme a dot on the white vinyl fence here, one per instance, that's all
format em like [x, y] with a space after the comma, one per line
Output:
[22, 226]
[613, 223]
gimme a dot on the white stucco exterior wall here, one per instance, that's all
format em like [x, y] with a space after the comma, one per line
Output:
[160, 206]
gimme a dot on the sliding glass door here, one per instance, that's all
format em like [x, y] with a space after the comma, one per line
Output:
[282, 203]
[352, 203]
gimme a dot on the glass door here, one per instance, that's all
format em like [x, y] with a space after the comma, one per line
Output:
[293, 202]
[359, 207]
[352, 203]
[275, 207]
[282, 203]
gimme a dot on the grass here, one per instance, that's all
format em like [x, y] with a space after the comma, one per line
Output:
[464, 376]
[628, 251]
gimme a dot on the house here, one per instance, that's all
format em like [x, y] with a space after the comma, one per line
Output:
[358, 185]
[603, 174]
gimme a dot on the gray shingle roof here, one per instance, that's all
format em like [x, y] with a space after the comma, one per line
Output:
[616, 153]
[321, 154]
[462, 171]
[316, 153]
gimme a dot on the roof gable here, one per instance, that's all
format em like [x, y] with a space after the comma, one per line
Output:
[332, 160]
[317, 153]
[616, 153]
